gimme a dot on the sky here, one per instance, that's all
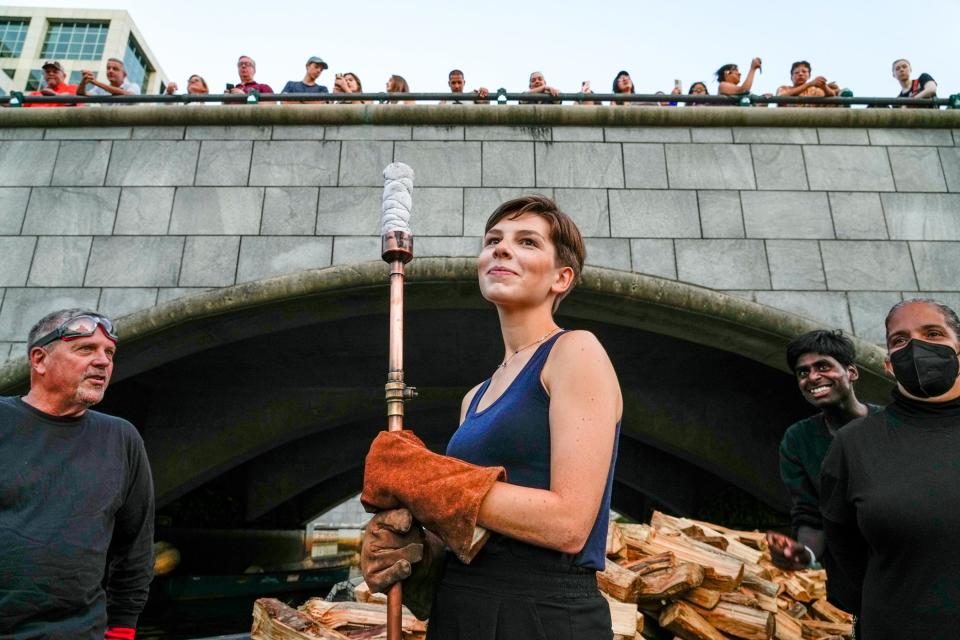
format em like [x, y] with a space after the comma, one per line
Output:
[498, 43]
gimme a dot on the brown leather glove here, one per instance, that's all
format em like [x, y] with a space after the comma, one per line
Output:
[395, 547]
[441, 492]
[391, 545]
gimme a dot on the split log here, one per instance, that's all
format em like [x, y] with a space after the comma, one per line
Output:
[787, 627]
[706, 598]
[794, 588]
[740, 621]
[618, 582]
[753, 539]
[721, 571]
[273, 620]
[714, 541]
[814, 582]
[666, 584]
[826, 611]
[340, 614]
[683, 620]
[650, 564]
[627, 622]
[766, 602]
[615, 545]
[361, 593]
[709, 531]
[740, 598]
[821, 629]
[753, 577]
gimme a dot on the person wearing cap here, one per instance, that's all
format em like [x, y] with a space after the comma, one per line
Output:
[55, 77]
[117, 82]
[315, 66]
[76, 494]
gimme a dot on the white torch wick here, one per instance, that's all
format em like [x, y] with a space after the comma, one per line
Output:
[397, 198]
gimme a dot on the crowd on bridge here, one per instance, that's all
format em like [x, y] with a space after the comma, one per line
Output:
[731, 82]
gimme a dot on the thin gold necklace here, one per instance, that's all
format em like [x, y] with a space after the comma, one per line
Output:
[503, 364]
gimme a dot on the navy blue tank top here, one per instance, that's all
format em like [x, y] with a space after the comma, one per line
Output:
[514, 432]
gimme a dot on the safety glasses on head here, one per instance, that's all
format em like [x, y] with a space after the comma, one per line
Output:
[80, 326]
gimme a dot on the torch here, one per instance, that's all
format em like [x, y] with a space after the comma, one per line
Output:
[397, 250]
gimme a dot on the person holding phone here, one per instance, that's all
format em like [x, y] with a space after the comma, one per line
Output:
[730, 80]
[247, 69]
[349, 82]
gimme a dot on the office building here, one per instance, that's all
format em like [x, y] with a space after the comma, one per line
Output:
[79, 39]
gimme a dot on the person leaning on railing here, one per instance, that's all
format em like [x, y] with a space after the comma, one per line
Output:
[117, 82]
[456, 82]
[538, 84]
[923, 87]
[805, 86]
[55, 77]
[314, 67]
[196, 86]
[246, 69]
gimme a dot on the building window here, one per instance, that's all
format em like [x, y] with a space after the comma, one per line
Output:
[76, 76]
[136, 63]
[13, 31]
[35, 80]
[75, 40]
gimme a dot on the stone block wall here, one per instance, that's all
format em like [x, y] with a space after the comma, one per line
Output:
[832, 223]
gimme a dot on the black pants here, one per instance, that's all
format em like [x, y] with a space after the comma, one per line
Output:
[516, 591]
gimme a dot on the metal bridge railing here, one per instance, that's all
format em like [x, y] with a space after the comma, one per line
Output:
[19, 99]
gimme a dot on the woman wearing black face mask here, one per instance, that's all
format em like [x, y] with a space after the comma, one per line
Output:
[890, 485]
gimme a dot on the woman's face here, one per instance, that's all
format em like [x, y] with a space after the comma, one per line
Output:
[732, 75]
[698, 90]
[624, 84]
[518, 264]
[196, 86]
[351, 81]
[921, 321]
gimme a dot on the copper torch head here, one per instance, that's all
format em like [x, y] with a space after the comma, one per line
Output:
[397, 245]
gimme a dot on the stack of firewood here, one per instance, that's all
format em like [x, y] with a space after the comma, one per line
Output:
[692, 579]
[318, 619]
[702, 581]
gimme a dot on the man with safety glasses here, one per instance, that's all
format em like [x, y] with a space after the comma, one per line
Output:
[76, 494]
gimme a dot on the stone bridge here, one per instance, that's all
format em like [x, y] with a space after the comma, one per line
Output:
[240, 246]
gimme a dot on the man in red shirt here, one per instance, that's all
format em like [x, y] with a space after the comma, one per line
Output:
[55, 77]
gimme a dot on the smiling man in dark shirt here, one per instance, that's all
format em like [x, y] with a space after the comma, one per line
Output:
[823, 362]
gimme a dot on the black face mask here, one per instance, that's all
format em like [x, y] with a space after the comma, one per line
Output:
[925, 369]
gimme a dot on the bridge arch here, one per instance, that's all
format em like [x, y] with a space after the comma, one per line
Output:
[257, 401]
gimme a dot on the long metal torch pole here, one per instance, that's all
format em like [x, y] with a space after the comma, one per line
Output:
[397, 246]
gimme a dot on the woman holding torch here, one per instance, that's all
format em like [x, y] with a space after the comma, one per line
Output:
[531, 463]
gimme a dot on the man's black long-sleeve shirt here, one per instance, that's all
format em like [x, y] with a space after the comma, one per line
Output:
[76, 524]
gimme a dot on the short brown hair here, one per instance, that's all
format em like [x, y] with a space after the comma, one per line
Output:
[564, 233]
